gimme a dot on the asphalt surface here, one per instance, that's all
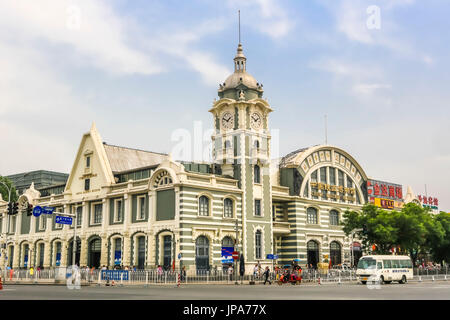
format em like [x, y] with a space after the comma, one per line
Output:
[410, 291]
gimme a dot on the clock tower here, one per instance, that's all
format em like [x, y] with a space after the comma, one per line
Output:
[241, 146]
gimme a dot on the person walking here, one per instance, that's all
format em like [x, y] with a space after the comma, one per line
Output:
[266, 276]
[230, 272]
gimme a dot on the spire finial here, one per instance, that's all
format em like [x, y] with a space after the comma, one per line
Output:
[239, 18]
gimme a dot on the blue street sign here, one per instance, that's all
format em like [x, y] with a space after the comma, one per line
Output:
[272, 256]
[37, 211]
[114, 274]
[179, 255]
[228, 260]
[227, 251]
[48, 210]
[63, 220]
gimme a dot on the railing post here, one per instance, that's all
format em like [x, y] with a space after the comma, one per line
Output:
[146, 278]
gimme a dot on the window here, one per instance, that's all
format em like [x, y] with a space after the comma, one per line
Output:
[228, 208]
[88, 161]
[227, 242]
[341, 178]
[334, 218]
[258, 246]
[42, 222]
[257, 174]
[41, 254]
[274, 213]
[323, 175]
[257, 144]
[311, 215]
[314, 176]
[167, 254]
[257, 207]
[203, 203]
[79, 215]
[332, 176]
[227, 144]
[141, 208]
[118, 210]
[87, 184]
[395, 264]
[387, 264]
[349, 182]
[97, 214]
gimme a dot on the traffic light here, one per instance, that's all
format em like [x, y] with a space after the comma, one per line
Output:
[15, 208]
[30, 210]
[10, 208]
[364, 229]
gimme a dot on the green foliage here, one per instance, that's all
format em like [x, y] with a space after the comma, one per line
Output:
[413, 229]
[4, 190]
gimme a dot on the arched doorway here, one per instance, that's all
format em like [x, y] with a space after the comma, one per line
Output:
[335, 253]
[141, 252]
[357, 252]
[95, 248]
[202, 253]
[26, 255]
[312, 248]
[167, 252]
[77, 252]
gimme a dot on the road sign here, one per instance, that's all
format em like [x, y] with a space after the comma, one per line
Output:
[48, 210]
[227, 260]
[37, 211]
[63, 220]
[179, 255]
[272, 256]
[235, 255]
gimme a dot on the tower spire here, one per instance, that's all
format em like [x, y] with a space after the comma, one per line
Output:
[240, 59]
[239, 18]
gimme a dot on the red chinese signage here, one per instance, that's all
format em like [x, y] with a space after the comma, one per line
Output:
[380, 189]
[429, 201]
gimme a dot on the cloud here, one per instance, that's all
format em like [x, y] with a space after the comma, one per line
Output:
[89, 29]
[369, 88]
[269, 17]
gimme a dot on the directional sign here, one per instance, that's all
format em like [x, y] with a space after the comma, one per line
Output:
[63, 220]
[37, 211]
[272, 256]
[48, 210]
[227, 260]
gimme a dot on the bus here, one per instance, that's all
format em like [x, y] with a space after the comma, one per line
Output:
[384, 269]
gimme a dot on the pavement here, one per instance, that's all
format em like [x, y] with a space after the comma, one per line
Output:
[438, 290]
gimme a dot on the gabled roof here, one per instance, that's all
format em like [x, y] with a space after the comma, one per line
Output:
[126, 159]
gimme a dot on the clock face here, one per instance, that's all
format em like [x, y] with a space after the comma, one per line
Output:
[256, 120]
[227, 120]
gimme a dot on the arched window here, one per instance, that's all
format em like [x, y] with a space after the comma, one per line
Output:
[257, 174]
[334, 218]
[227, 144]
[311, 215]
[258, 244]
[203, 206]
[227, 242]
[228, 208]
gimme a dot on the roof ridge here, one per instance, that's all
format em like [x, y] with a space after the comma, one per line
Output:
[112, 145]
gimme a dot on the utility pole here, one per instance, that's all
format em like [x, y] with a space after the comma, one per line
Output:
[235, 261]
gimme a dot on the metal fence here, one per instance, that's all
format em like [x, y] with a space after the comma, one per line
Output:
[147, 277]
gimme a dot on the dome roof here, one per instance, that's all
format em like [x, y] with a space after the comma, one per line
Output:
[240, 75]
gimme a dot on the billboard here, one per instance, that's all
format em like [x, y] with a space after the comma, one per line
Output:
[385, 194]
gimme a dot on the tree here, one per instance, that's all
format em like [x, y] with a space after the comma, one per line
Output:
[439, 239]
[4, 191]
[378, 225]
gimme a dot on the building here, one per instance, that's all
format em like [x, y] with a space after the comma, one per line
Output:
[40, 178]
[142, 208]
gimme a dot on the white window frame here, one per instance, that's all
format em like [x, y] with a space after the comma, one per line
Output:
[261, 244]
[116, 210]
[93, 223]
[210, 201]
[338, 217]
[317, 217]
[232, 208]
[139, 200]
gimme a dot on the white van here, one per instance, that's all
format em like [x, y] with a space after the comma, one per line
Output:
[384, 268]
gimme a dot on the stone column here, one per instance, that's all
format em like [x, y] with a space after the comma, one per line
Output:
[47, 256]
[64, 248]
[16, 258]
[104, 251]
[83, 251]
[126, 249]
[150, 249]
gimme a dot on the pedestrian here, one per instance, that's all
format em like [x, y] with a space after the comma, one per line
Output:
[230, 272]
[266, 276]
[255, 271]
[183, 273]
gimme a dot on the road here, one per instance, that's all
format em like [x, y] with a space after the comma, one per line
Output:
[421, 291]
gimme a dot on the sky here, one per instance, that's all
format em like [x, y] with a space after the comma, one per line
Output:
[144, 70]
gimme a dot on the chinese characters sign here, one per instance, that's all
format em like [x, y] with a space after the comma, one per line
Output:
[384, 194]
[429, 202]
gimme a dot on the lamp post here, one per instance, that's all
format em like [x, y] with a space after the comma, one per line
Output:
[235, 261]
